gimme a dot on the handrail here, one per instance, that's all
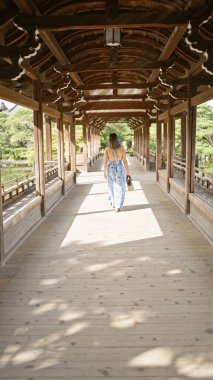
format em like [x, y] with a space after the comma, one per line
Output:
[202, 177]
[23, 185]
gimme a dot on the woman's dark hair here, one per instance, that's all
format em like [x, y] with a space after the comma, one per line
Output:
[113, 141]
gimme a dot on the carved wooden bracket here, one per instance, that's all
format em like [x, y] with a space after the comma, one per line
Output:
[198, 44]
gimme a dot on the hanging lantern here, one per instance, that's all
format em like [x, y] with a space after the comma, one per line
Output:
[113, 37]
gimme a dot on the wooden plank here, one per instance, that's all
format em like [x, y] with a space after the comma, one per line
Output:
[133, 19]
[15, 97]
[106, 293]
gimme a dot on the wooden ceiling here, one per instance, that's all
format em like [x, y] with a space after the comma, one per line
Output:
[62, 44]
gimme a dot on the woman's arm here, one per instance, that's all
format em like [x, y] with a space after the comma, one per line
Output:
[125, 162]
[106, 158]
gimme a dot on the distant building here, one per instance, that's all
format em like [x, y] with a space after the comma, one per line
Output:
[3, 108]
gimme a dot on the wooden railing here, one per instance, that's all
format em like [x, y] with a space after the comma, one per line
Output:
[14, 187]
[202, 177]
[152, 155]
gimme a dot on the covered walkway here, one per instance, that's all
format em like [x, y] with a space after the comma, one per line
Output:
[95, 294]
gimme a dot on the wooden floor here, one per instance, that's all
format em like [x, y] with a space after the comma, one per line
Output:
[95, 294]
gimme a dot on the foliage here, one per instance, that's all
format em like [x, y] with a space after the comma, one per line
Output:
[16, 135]
[125, 135]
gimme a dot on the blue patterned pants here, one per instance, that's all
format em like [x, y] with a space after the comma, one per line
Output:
[116, 182]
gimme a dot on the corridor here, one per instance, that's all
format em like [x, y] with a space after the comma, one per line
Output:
[95, 294]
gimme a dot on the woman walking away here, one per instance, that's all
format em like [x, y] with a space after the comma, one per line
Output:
[115, 165]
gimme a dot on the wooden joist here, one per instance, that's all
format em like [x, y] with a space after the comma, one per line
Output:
[134, 19]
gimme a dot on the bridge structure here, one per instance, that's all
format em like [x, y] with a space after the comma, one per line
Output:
[90, 63]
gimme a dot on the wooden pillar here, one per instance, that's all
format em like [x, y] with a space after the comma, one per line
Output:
[143, 144]
[60, 140]
[137, 143]
[48, 138]
[89, 145]
[67, 145]
[1, 226]
[85, 147]
[73, 149]
[39, 147]
[140, 143]
[190, 145]
[158, 148]
[164, 144]
[183, 135]
[147, 149]
[170, 145]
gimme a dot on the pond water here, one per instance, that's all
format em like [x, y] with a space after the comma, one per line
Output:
[14, 172]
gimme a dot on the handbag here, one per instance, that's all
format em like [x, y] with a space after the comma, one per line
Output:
[129, 183]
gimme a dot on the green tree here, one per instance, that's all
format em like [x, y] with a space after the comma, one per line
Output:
[125, 134]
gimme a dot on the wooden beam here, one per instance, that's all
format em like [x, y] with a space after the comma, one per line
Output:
[14, 97]
[168, 49]
[110, 86]
[135, 19]
[49, 39]
[111, 66]
[116, 105]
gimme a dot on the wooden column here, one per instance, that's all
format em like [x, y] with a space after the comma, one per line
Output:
[73, 149]
[92, 143]
[39, 147]
[1, 226]
[140, 143]
[164, 144]
[147, 149]
[60, 140]
[158, 148]
[143, 144]
[190, 145]
[48, 138]
[67, 145]
[89, 145]
[85, 147]
[183, 135]
[135, 142]
[170, 145]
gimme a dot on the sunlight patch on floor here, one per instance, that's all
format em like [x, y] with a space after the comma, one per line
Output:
[156, 357]
[97, 223]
